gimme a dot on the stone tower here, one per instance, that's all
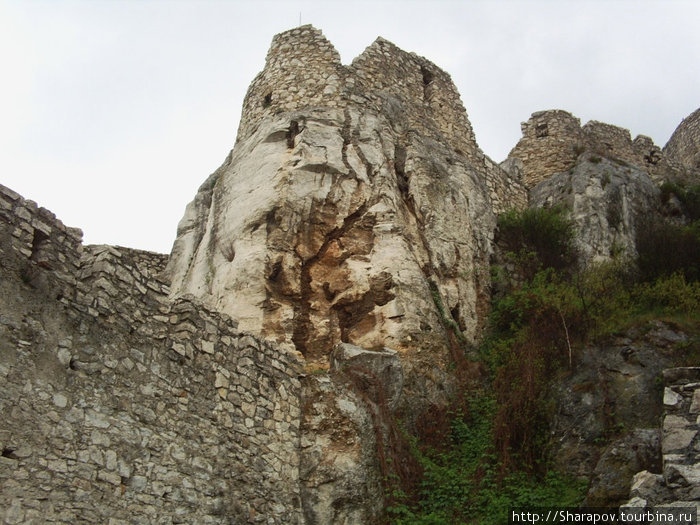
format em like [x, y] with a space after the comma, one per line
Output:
[356, 205]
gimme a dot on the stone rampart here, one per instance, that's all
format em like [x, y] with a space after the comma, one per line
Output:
[121, 406]
[684, 145]
[553, 140]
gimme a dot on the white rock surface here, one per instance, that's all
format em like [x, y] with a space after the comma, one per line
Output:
[339, 237]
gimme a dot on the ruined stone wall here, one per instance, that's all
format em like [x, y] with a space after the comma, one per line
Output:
[550, 144]
[677, 486]
[120, 406]
[684, 145]
[302, 69]
[610, 141]
[553, 140]
[432, 98]
[679, 443]
[37, 235]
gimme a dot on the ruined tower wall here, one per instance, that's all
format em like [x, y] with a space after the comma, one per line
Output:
[121, 406]
[302, 69]
[432, 98]
[550, 144]
[553, 140]
[610, 141]
[684, 145]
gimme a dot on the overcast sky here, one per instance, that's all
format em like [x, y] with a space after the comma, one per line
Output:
[112, 113]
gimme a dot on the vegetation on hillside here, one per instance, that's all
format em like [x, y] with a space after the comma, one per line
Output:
[496, 453]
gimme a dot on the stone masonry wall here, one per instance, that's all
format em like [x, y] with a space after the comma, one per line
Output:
[553, 140]
[303, 70]
[610, 141]
[684, 144]
[677, 488]
[550, 144]
[38, 236]
[680, 444]
[120, 406]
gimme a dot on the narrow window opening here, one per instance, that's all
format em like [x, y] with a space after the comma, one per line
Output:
[9, 453]
[427, 81]
[542, 130]
[427, 76]
[39, 243]
[267, 100]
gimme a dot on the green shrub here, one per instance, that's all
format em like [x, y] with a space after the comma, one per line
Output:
[689, 198]
[668, 295]
[664, 249]
[463, 484]
[537, 238]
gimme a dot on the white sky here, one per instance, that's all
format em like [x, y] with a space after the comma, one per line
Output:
[112, 113]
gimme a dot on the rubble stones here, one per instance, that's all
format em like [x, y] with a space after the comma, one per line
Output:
[679, 483]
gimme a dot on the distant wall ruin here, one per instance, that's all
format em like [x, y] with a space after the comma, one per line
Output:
[552, 141]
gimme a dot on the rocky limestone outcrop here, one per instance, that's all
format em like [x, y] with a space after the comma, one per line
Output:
[356, 207]
[608, 201]
[346, 204]
[349, 435]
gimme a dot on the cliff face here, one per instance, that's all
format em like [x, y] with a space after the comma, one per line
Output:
[608, 202]
[321, 285]
[353, 194]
